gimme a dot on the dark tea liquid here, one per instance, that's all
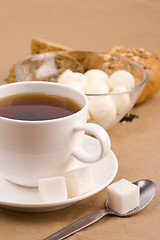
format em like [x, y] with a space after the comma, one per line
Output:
[37, 107]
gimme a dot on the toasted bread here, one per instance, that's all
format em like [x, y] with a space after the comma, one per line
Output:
[42, 46]
[37, 46]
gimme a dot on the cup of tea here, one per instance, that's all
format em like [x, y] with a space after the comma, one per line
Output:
[43, 124]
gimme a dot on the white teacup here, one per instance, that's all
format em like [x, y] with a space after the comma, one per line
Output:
[30, 150]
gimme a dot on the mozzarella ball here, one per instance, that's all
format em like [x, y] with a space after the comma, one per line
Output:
[96, 81]
[64, 75]
[78, 77]
[96, 73]
[121, 78]
[76, 85]
[103, 110]
[122, 101]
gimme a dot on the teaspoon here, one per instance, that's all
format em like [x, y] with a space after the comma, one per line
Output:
[147, 191]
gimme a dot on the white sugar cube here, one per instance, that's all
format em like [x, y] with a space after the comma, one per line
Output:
[79, 181]
[102, 109]
[123, 196]
[53, 189]
[96, 81]
[122, 101]
[121, 78]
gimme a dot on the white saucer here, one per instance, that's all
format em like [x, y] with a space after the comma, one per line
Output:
[27, 199]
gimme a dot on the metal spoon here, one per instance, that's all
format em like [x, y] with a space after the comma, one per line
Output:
[147, 191]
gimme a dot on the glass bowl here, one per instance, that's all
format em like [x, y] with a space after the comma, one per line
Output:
[49, 66]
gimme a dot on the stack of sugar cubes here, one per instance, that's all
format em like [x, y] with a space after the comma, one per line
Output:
[123, 196]
[72, 184]
[103, 109]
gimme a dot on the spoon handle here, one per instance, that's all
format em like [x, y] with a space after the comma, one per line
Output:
[78, 225]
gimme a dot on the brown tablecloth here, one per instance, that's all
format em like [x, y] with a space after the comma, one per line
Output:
[91, 25]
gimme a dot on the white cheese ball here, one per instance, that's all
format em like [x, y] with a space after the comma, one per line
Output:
[122, 101]
[64, 75]
[96, 73]
[103, 110]
[76, 85]
[73, 79]
[96, 81]
[78, 77]
[121, 78]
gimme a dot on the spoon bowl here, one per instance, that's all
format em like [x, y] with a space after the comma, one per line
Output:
[147, 191]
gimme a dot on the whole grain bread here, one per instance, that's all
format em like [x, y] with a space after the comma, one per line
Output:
[11, 75]
[146, 59]
[37, 46]
[64, 60]
[42, 46]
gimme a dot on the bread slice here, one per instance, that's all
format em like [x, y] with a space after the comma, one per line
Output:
[37, 46]
[82, 57]
[42, 46]
[11, 76]
[63, 60]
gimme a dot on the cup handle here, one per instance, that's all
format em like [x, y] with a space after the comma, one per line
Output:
[101, 135]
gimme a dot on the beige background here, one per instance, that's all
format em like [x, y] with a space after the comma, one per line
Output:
[91, 25]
